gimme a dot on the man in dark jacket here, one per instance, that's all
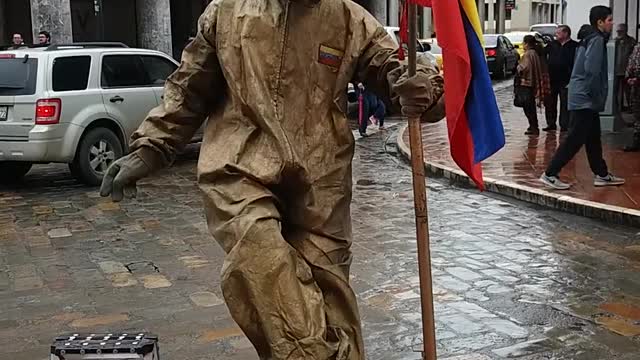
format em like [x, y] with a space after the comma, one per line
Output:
[624, 47]
[588, 90]
[560, 56]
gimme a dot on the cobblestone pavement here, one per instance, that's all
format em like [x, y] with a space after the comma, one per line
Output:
[524, 158]
[511, 280]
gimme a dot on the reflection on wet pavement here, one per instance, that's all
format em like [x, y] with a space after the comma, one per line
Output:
[510, 280]
[524, 158]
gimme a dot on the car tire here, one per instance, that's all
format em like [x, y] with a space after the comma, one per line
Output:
[12, 172]
[97, 150]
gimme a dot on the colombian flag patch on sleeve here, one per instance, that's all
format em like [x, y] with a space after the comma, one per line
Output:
[330, 56]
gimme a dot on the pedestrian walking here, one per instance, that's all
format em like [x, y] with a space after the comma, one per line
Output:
[372, 110]
[585, 30]
[588, 90]
[44, 38]
[532, 83]
[560, 55]
[275, 164]
[16, 42]
[633, 79]
[624, 48]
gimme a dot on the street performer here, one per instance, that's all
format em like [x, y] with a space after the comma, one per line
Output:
[275, 164]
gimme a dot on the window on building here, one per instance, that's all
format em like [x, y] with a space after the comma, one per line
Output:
[158, 69]
[123, 71]
[71, 73]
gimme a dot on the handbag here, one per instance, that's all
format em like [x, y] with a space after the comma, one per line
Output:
[521, 94]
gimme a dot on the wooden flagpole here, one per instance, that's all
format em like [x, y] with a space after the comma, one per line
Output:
[420, 202]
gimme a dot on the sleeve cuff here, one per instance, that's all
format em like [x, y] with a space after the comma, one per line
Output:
[151, 158]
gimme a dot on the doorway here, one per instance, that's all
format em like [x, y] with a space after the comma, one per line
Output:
[184, 22]
[120, 23]
[15, 17]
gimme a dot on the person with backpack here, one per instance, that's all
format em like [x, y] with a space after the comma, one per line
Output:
[588, 91]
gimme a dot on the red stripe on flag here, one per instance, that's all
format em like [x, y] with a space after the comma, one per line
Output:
[461, 144]
[452, 39]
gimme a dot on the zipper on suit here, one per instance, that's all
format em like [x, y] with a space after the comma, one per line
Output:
[283, 46]
[288, 161]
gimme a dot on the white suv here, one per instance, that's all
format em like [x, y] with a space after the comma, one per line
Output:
[75, 104]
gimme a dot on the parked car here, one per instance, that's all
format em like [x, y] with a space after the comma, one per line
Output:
[502, 56]
[75, 104]
[424, 54]
[545, 29]
[517, 37]
[435, 50]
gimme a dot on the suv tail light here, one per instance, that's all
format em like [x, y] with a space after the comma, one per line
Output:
[491, 52]
[48, 111]
[7, 56]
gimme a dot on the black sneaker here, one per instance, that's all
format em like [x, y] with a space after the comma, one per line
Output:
[550, 129]
[532, 132]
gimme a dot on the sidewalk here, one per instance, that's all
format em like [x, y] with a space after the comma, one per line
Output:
[515, 170]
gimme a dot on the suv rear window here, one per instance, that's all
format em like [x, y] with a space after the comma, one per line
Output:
[18, 76]
[71, 73]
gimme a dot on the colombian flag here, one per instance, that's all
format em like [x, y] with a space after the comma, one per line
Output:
[473, 118]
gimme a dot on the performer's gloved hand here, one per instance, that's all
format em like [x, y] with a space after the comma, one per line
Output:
[121, 177]
[420, 94]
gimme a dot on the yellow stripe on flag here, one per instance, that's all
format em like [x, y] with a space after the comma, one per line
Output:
[471, 10]
[331, 51]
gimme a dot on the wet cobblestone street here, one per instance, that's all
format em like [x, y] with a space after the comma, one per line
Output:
[511, 280]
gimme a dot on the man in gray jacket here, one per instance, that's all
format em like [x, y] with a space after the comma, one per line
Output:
[588, 91]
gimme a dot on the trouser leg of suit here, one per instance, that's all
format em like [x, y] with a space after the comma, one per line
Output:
[593, 146]
[635, 105]
[551, 107]
[380, 113]
[366, 113]
[530, 110]
[584, 131]
[291, 299]
[619, 91]
[564, 108]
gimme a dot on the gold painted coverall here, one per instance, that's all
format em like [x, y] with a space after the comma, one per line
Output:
[275, 163]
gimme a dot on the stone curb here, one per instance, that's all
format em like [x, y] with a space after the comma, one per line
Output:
[609, 213]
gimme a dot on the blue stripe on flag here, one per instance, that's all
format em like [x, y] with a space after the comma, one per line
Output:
[483, 114]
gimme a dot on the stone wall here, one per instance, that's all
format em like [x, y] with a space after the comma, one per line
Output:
[53, 16]
[154, 25]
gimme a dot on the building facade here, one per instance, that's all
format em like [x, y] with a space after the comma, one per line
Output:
[163, 25]
[520, 18]
[167, 24]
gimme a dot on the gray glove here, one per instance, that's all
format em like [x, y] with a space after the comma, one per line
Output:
[121, 177]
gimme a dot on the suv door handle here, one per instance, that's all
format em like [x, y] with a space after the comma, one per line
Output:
[116, 99]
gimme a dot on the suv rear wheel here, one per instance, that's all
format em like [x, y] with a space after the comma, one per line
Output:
[97, 150]
[13, 171]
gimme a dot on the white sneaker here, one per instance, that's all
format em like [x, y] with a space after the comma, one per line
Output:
[554, 182]
[609, 180]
